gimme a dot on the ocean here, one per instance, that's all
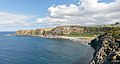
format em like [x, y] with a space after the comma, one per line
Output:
[37, 50]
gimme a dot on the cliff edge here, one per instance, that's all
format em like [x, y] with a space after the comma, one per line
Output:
[107, 48]
[75, 31]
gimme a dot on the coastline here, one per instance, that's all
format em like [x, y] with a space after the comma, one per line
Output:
[83, 40]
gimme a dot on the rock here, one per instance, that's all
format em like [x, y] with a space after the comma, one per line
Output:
[65, 31]
[107, 48]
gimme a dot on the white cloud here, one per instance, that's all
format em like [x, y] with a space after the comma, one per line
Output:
[9, 20]
[87, 12]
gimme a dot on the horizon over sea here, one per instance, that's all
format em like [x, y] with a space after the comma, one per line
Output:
[37, 50]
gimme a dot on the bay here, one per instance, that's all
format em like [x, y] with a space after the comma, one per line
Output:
[36, 50]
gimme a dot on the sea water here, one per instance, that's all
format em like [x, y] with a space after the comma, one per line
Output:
[37, 50]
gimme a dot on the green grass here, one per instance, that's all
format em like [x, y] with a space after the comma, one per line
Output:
[75, 34]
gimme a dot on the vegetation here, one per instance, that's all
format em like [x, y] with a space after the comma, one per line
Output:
[115, 32]
[76, 34]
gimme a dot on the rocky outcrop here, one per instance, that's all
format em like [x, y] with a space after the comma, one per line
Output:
[66, 30]
[107, 48]
[31, 32]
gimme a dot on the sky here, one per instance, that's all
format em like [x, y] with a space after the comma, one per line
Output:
[33, 14]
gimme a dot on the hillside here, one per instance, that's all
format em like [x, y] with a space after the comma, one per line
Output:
[66, 31]
[74, 31]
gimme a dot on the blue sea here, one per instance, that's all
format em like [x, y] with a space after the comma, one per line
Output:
[36, 50]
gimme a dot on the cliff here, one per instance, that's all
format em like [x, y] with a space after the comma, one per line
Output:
[65, 31]
[107, 48]
[31, 32]
[69, 31]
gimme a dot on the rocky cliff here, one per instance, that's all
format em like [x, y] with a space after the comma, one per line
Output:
[107, 48]
[64, 30]
[31, 32]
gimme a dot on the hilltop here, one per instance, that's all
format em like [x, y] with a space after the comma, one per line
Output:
[117, 24]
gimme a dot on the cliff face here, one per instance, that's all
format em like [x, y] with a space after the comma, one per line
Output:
[31, 32]
[107, 48]
[61, 30]
[64, 30]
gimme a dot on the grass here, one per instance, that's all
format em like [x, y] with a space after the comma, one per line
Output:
[76, 34]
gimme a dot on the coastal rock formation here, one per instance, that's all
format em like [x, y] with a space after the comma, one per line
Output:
[31, 32]
[64, 31]
[107, 48]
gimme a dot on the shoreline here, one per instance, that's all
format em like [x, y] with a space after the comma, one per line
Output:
[83, 40]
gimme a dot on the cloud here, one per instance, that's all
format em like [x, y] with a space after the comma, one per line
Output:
[10, 20]
[87, 12]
